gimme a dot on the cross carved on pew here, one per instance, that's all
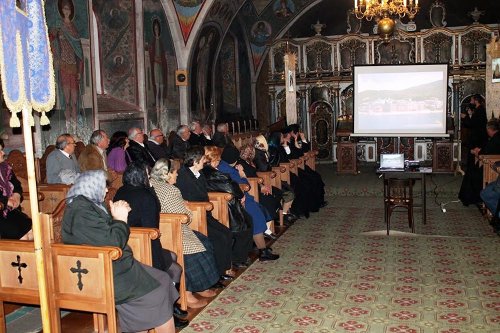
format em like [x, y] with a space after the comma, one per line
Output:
[20, 265]
[79, 270]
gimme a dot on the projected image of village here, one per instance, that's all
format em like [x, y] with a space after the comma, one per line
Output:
[401, 102]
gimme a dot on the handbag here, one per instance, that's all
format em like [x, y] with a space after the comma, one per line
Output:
[239, 219]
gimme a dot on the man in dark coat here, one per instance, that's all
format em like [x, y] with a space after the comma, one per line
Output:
[472, 182]
[475, 121]
[180, 143]
[197, 138]
[156, 144]
[221, 137]
[137, 150]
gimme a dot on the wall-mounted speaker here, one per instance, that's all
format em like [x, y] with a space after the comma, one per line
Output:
[181, 77]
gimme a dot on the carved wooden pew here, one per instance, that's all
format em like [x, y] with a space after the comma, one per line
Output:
[221, 210]
[489, 171]
[271, 179]
[311, 158]
[139, 241]
[79, 278]
[171, 236]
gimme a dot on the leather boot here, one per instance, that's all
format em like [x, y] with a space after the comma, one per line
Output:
[267, 254]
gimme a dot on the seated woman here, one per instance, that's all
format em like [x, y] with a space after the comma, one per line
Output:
[145, 212]
[240, 222]
[118, 158]
[193, 187]
[199, 262]
[260, 216]
[270, 197]
[144, 295]
[14, 224]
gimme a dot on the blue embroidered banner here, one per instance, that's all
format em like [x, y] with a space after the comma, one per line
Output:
[25, 58]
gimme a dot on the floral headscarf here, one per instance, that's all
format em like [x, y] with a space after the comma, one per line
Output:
[92, 185]
[247, 153]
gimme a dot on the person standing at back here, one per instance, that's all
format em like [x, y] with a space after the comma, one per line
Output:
[475, 121]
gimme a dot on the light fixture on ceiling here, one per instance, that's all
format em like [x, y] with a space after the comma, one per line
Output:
[385, 12]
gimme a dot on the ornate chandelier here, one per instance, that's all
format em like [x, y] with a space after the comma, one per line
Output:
[384, 12]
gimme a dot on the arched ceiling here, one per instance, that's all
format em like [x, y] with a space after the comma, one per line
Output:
[333, 13]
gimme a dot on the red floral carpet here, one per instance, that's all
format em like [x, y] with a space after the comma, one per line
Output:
[334, 277]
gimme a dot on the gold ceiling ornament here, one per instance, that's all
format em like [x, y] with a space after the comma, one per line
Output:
[384, 12]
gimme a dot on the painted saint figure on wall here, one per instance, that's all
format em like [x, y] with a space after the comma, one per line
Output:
[68, 63]
[202, 61]
[158, 59]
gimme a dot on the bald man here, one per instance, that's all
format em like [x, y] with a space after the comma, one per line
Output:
[156, 144]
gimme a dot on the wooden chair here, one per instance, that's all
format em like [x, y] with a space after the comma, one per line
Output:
[285, 175]
[139, 241]
[294, 166]
[53, 195]
[115, 179]
[171, 236]
[254, 186]
[490, 172]
[220, 211]
[79, 147]
[269, 179]
[398, 193]
[43, 163]
[311, 159]
[79, 277]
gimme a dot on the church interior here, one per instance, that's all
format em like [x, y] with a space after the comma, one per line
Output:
[356, 248]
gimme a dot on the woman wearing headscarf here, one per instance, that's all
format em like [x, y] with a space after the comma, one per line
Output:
[199, 261]
[144, 296]
[14, 224]
[240, 222]
[260, 216]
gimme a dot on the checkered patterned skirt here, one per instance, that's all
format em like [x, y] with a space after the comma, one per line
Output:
[200, 268]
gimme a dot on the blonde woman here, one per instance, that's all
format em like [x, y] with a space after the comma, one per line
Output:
[199, 262]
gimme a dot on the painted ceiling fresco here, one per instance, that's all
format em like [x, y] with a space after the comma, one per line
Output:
[187, 12]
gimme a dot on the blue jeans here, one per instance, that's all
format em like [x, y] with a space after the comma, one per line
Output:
[490, 195]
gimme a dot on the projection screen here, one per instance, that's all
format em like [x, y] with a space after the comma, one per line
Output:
[400, 100]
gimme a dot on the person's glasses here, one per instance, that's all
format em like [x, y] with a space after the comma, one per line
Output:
[71, 143]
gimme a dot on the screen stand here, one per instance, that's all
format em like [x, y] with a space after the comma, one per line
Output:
[398, 144]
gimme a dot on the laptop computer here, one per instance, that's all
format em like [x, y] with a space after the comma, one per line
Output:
[392, 162]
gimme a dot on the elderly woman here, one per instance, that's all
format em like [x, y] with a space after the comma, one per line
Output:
[14, 224]
[118, 158]
[199, 261]
[144, 296]
[260, 217]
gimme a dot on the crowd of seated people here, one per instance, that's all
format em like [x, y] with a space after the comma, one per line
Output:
[153, 185]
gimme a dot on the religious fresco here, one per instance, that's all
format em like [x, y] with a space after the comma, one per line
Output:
[202, 73]
[228, 67]
[117, 48]
[68, 24]
[187, 12]
[263, 20]
[162, 95]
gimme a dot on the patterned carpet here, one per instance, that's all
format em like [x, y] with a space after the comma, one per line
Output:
[339, 273]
